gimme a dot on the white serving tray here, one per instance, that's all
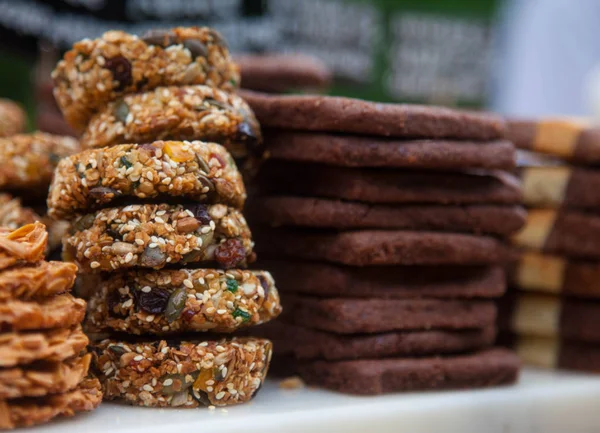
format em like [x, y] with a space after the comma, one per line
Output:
[542, 402]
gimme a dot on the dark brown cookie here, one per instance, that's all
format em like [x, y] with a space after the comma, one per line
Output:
[305, 343]
[554, 274]
[339, 114]
[351, 316]
[569, 233]
[561, 186]
[390, 186]
[550, 316]
[549, 352]
[572, 140]
[487, 368]
[320, 279]
[282, 73]
[364, 151]
[330, 213]
[382, 247]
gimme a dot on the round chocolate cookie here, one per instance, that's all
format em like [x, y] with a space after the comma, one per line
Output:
[356, 116]
[95, 72]
[185, 374]
[96, 178]
[340, 214]
[367, 151]
[154, 236]
[175, 301]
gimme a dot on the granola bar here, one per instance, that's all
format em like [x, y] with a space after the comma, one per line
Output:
[199, 171]
[183, 374]
[154, 236]
[57, 312]
[168, 301]
[18, 348]
[27, 244]
[42, 378]
[95, 72]
[178, 113]
[37, 281]
[13, 214]
[29, 160]
[12, 118]
[24, 412]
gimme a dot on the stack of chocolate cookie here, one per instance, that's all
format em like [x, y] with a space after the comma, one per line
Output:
[551, 315]
[43, 364]
[157, 225]
[387, 225]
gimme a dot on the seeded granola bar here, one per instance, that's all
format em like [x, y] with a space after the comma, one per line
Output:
[37, 281]
[26, 244]
[178, 113]
[24, 412]
[168, 301]
[183, 373]
[12, 118]
[42, 378]
[154, 236]
[19, 348]
[96, 178]
[29, 160]
[95, 72]
[60, 311]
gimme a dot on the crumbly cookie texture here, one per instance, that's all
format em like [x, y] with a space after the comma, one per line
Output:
[42, 378]
[55, 312]
[26, 244]
[97, 71]
[12, 118]
[25, 412]
[29, 160]
[178, 113]
[183, 374]
[197, 171]
[169, 301]
[37, 281]
[19, 348]
[154, 236]
[13, 214]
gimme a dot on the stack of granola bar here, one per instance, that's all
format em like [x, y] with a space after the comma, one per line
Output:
[43, 364]
[158, 223]
[387, 226]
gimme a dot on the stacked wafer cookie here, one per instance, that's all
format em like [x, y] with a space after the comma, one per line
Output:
[157, 225]
[550, 316]
[387, 225]
[43, 363]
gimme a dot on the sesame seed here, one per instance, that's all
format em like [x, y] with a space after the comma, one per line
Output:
[153, 245]
[168, 382]
[211, 407]
[94, 265]
[221, 311]
[128, 303]
[187, 283]
[201, 280]
[220, 348]
[209, 388]
[150, 318]
[210, 310]
[139, 241]
[147, 388]
[146, 289]
[138, 358]
[159, 220]
[220, 395]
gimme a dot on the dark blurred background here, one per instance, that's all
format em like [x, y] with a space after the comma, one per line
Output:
[526, 57]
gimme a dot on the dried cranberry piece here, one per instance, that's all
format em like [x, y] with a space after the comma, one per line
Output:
[230, 253]
[200, 212]
[149, 148]
[121, 70]
[153, 302]
[219, 158]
